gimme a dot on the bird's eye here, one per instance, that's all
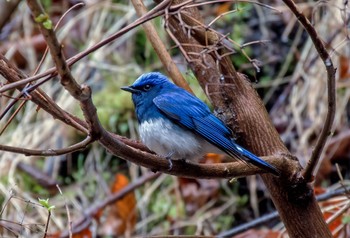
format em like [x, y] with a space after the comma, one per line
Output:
[147, 87]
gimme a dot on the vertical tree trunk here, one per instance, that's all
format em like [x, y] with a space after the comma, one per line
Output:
[241, 107]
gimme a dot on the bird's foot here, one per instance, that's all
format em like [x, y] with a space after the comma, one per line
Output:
[168, 157]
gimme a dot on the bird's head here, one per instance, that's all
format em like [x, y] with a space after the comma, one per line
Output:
[147, 87]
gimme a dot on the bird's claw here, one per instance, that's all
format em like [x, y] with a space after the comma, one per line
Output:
[168, 157]
[170, 164]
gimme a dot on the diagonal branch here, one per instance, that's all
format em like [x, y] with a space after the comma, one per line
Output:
[159, 47]
[81, 93]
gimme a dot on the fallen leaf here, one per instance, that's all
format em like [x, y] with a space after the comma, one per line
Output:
[121, 217]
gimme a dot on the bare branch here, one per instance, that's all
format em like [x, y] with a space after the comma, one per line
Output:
[49, 152]
[81, 93]
[308, 172]
[13, 74]
[184, 169]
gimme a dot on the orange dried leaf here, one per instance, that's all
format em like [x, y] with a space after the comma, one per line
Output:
[222, 8]
[319, 190]
[344, 67]
[86, 233]
[213, 158]
[121, 217]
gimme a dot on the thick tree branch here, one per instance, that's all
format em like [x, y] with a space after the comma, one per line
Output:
[238, 103]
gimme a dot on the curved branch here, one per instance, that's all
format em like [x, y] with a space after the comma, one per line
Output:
[184, 169]
[331, 90]
[12, 74]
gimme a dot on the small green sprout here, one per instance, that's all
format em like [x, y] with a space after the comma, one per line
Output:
[45, 20]
[45, 203]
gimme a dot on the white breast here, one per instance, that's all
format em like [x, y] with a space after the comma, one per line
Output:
[164, 138]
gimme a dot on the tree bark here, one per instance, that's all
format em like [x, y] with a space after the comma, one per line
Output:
[239, 105]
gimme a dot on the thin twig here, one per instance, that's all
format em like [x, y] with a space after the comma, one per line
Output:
[47, 224]
[308, 172]
[68, 213]
[13, 114]
[48, 152]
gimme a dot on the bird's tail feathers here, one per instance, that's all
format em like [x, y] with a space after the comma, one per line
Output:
[255, 160]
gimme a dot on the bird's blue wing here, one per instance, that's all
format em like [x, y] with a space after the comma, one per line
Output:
[188, 111]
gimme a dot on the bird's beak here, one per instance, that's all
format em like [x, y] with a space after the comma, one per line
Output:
[129, 89]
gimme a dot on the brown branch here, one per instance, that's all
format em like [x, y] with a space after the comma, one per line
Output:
[49, 152]
[80, 4]
[160, 49]
[7, 8]
[12, 74]
[186, 169]
[81, 93]
[123, 147]
[308, 172]
[67, 79]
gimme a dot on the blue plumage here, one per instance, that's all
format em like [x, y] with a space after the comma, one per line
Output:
[175, 123]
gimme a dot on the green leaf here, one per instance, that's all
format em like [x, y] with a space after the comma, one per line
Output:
[41, 18]
[50, 208]
[45, 20]
[45, 203]
[47, 24]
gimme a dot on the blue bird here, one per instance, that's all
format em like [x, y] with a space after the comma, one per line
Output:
[175, 124]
